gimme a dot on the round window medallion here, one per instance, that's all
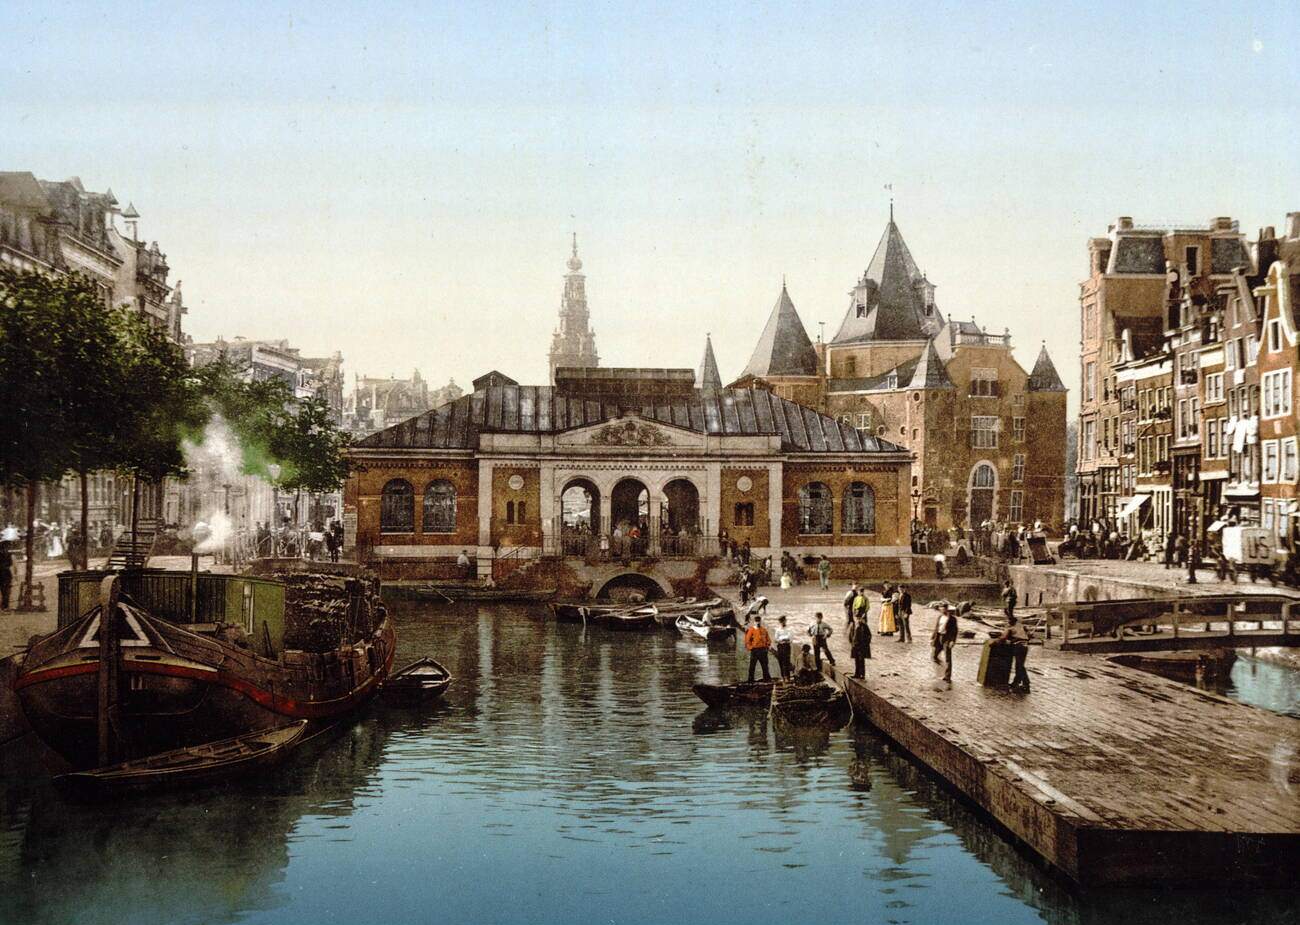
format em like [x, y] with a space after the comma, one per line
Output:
[744, 483]
[516, 482]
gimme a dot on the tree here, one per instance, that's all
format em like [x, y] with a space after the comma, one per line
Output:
[50, 335]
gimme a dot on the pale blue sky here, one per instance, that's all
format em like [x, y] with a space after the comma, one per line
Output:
[399, 181]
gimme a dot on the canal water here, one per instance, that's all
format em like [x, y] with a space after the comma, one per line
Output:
[571, 776]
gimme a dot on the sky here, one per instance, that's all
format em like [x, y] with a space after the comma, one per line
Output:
[399, 181]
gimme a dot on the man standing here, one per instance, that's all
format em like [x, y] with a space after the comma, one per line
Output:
[903, 614]
[859, 646]
[1017, 637]
[945, 637]
[1009, 599]
[824, 571]
[939, 561]
[848, 601]
[784, 639]
[821, 632]
[745, 554]
[757, 642]
[462, 563]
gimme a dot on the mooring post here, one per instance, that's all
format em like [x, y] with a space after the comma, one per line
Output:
[1231, 630]
[108, 653]
[1178, 607]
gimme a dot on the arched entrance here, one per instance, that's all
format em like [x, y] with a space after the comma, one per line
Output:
[679, 518]
[983, 487]
[579, 516]
[630, 586]
[629, 514]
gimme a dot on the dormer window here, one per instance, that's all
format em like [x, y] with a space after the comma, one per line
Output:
[891, 380]
[861, 310]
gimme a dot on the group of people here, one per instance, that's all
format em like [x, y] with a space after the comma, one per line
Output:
[894, 618]
[759, 644]
[54, 540]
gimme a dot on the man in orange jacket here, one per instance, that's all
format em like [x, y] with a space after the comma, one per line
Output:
[757, 641]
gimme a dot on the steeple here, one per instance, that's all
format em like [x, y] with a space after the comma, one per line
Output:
[930, 372]
[783, 348]
[573, 343]
[893, 300]
[707, 377]
[1044, 378]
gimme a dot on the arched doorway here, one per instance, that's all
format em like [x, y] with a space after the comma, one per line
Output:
[679, 519]
[579, 516]
[983, 487]
[630, 586]
[629, 515]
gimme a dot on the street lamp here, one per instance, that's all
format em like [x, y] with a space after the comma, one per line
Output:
[916, 503]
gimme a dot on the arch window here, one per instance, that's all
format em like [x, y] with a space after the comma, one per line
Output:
[815, 509]
[859, 509]
[397, 507]
[440, 507]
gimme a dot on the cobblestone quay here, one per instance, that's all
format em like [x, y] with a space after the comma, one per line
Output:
[1113, 775]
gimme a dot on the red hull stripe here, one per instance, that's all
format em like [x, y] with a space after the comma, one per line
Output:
[285, 706]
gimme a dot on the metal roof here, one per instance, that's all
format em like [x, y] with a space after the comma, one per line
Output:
[534, 409]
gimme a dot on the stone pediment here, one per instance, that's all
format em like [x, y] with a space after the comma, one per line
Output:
[630, 432]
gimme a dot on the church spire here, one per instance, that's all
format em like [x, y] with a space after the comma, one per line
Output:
[574, 343]
[708, 377]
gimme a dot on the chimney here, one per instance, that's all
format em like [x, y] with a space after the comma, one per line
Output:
[1124, 223]
[1292, 226]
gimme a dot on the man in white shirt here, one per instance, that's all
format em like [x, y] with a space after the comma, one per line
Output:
[784, 639]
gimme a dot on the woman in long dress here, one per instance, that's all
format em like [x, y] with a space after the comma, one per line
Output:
[887, 625]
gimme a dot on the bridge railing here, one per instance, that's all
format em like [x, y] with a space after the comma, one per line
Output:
[1180, 615]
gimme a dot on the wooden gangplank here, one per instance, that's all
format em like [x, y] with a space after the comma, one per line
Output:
[1112, 775]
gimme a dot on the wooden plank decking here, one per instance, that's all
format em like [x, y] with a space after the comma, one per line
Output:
[1113, 775]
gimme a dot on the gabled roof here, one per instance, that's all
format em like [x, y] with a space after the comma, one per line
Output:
[1044, 378]
[930, 372]
[783, 348]
[545, 409]
[886, 304]
[23, 190]
[708, 377]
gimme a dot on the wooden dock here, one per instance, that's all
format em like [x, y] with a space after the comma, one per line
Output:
[1112, 775]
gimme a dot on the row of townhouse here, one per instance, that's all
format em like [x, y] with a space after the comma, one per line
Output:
[1189, 363]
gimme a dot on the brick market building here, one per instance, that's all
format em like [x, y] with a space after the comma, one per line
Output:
[511, 472]
[988, 436]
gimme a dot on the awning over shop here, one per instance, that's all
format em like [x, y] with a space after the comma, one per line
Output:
[1215, 527]
[1211, 476]
[1134, 505]
[1241, 490]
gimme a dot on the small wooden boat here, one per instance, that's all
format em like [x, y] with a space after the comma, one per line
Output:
[629, 619]
[715, 610]
[192, 766]
[474, 593]
[745, 693]
[423, 679]
[808, 704]
[697, 628]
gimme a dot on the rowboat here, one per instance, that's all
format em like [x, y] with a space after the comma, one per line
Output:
[696, 628]
[806, 704]
[714, 610]
[190, 766]
[579, 612]
[745, 693]
[423, 679]
[629, 619]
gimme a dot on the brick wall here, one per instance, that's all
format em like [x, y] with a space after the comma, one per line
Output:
[887, 482]
[758, 534]
[364, 489]
[525, 531]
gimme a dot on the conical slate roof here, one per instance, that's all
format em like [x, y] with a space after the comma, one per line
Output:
[707, 377]
[1044, 378]
[886, 304]
[930, 372]
[783, 348]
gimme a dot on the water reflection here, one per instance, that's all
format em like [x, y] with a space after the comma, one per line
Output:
[570, 776]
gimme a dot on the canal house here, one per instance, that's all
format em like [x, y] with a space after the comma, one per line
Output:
[625, 464]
